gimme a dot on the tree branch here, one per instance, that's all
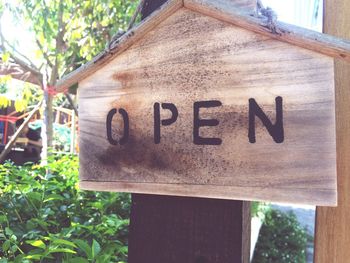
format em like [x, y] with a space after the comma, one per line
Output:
[4, 42]
[28, 68]
[59, 44]
[24, 65]
[136, 13]
[71, 102]
[17, 72]
[46, 56]
[71, 64]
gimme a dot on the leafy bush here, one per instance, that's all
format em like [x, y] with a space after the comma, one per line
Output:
[45, 218]
[259, 209]
[281, 239]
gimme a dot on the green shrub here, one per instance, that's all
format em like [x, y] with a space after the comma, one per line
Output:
[45, 218]
[259, 209]
[281, 239]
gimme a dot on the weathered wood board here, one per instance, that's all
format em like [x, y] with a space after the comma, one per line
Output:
[332, 233]
[190, 58]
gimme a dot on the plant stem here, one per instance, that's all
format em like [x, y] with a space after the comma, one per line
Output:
[18, 215]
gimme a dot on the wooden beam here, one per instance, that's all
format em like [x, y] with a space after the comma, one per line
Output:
[18, 132]
[332, 241]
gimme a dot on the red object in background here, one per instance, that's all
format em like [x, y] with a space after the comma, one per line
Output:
[9, 118]
[6, 119]
[51, 90]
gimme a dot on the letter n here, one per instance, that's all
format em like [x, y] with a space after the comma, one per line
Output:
[275, 130]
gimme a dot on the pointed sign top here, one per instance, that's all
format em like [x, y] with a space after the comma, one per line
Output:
[222, 10]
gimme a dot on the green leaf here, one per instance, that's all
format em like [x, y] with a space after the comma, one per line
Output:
[123, 250]
[36, 243]
[84, 247]
[5, 57]
[103, 259]
[63, 242]
[8, 231]
[53, 197]
[95, 249]
[78, 260]
[19, 259]
[6, 78]
[61, 250]
[6, 245]
[31, 224]
[57, 228]
[4, 101]
[42, 223]
[34, 196]
[21, 105]
[35, 256]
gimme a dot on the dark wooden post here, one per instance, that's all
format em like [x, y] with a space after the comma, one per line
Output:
[332, 243]
[166, 229]
[171, 229]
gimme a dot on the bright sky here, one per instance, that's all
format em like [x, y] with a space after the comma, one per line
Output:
[18, 34]
[298, 12]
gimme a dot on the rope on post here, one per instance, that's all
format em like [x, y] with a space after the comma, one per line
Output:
[271, 16]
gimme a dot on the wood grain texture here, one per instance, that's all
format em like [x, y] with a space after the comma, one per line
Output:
[322, 43]
[332, 240]
[224, 10]
[202, 58]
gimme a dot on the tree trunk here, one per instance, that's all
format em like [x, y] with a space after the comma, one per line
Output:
[47, 128]
[47, 132]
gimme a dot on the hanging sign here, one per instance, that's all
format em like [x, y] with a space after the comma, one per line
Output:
[200, 107]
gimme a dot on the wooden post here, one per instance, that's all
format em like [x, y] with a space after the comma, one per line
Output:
[171, 229]
[332, 243]
[189, 230]
[72, 133]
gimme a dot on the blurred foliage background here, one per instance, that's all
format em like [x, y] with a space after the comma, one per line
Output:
[44, 217]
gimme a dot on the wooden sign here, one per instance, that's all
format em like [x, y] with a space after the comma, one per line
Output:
[191, 104]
